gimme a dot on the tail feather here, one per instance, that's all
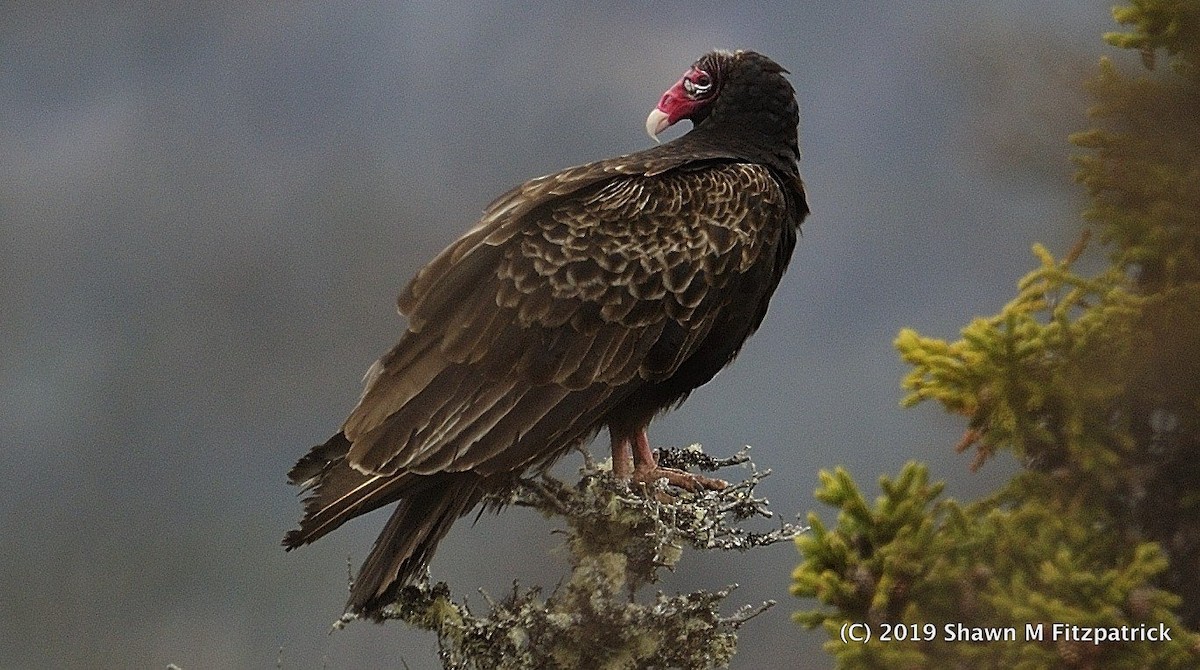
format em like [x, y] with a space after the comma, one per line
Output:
[338, 491]
[409, 539]
[428, 506]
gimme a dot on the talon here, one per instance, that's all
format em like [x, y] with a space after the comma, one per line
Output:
[636, 462]
[684, 480]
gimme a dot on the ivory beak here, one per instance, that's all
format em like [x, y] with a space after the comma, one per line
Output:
[657, 122]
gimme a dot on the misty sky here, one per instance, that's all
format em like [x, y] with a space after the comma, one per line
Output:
[207, 210]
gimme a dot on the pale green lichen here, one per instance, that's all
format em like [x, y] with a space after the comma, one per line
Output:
[618, 537]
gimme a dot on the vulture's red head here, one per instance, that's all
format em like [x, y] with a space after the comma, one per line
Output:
[739, 84]
[691, 94]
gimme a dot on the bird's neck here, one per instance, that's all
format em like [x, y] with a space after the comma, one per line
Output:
[761, 138]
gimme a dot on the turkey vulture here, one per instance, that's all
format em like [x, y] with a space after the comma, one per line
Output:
[595, 297]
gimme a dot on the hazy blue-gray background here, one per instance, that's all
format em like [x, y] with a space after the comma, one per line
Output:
[207, 209]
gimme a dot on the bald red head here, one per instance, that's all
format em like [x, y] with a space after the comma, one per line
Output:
[693, 91]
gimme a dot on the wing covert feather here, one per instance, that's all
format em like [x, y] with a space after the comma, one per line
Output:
[582, 292]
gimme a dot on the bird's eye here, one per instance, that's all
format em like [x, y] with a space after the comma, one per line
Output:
[697, 83]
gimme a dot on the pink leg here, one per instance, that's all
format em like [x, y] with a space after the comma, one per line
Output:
[639, 465]
[643, 455]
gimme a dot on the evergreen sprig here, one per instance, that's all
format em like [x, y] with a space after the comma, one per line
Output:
[1093, 383]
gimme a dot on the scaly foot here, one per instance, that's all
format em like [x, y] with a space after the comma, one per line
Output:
[684, 480]
[637, 463]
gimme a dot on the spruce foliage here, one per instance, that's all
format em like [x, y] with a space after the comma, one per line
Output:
[1093, 383]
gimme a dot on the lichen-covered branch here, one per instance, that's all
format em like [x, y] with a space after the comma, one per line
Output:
[619, 537]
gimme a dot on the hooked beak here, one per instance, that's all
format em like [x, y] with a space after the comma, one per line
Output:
[657, 122]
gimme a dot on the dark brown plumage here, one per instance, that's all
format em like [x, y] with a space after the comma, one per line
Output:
[595, 297]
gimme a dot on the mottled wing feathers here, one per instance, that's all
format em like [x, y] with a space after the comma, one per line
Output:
[564, 297]
[507, 214]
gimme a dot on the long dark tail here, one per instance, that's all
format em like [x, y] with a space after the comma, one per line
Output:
[409, 539]
[429, 505]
